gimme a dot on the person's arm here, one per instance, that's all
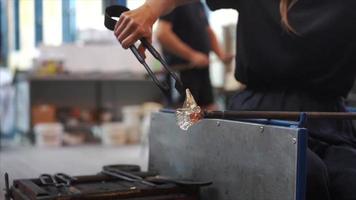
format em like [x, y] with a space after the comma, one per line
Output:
[224, 57]
[172, 43]
[135, 24]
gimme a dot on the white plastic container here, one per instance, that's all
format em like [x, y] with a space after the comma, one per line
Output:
[114, 133]
[132, 119]
[48, 134]
[131, 115]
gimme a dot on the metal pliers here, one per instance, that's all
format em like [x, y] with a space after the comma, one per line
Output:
[57, 180]
[116, 11]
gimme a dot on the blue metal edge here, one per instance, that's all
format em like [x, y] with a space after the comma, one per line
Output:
[351, 109]
[282, 123]
[68, 21]
[302, 146]
[38, 21]
[167, 110]
[4, 30]
[17, 24]
[122, 2]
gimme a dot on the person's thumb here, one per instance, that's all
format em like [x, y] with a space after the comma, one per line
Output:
[141, 50]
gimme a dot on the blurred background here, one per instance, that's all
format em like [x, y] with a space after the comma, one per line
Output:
[71, 96]
[71, 99]
[60, 66]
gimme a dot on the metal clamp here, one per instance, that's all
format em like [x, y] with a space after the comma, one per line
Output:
[49, 180]
[65, 178]
[57, 180]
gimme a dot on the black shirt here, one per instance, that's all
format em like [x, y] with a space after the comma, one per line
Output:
[320, 59]
[189, 23]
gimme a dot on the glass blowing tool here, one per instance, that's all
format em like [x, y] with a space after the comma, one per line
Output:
[116, 11]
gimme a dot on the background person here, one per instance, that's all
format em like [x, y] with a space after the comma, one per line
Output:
[187, 39]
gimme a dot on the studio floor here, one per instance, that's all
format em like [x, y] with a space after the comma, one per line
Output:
[81, 160]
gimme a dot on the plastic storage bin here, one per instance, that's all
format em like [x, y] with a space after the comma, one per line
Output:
[48, 134]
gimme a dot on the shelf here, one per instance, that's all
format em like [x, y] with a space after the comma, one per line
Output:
[89, 77]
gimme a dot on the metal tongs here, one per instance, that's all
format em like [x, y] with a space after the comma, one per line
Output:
[116, 11]
[127, 176]
[57, 180]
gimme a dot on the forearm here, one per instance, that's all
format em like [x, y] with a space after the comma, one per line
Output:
[136, 24]
[215, 47]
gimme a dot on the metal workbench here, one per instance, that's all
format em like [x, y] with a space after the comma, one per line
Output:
[253, 160]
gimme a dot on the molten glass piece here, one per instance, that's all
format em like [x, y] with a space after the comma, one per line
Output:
[190, 113]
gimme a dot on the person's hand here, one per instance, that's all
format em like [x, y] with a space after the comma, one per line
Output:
[134, 25]
[199, 60]
[226, 58]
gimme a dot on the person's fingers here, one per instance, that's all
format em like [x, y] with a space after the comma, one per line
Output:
[227, 61]
[136, 35]
[202, 63]
[121, 25]
[130, 40]
[229, 58]
[130, 28]
[133, 25]
[199, 60]
[205, 62]
[118, 23]
[141, 50]
[126, 29]
[149, 39]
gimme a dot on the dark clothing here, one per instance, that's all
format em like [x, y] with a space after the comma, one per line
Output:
[189, 23]
[340, 161]
[320, 59]
[290, 100]
[331, 171]
[310, 71]
[318, 185]
[199, 84]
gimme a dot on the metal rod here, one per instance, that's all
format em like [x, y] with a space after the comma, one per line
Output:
[125, 177]
[277, 115]
[7, 187]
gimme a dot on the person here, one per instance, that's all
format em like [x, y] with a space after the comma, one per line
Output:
[187, 39]
[292, 56]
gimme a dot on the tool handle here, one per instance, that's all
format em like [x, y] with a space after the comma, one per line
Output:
[277, 115]
[116, 11]
[113, 11]
[162, 85]
[7, 187]
[178, 83]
